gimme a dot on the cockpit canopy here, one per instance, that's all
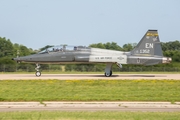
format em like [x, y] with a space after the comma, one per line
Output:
[64, 48]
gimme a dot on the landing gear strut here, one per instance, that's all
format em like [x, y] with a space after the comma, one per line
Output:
[108, 70]
[38, 73]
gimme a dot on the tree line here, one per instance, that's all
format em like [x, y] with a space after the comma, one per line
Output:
[9, 50]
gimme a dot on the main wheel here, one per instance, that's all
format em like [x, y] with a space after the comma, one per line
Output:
[38, 73]
[108, 74]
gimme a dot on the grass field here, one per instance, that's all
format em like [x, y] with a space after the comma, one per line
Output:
[90, 90]
[58, 115]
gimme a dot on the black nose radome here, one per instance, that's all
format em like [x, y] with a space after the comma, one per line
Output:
[12, 58]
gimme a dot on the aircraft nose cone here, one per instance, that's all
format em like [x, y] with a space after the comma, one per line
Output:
[12, 58]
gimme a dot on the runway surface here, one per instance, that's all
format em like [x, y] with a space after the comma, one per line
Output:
[90, 106]
[88, 76]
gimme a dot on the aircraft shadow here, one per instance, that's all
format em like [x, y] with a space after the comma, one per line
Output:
[141, 76]
[76, 76]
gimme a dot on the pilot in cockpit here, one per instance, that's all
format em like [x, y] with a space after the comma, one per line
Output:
[75, 48]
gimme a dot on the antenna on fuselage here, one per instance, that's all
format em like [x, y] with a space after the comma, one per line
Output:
[64, 46]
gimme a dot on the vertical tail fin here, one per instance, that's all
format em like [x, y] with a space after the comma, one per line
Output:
[149, 45]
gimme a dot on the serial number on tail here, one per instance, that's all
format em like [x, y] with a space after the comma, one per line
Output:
[142, 51]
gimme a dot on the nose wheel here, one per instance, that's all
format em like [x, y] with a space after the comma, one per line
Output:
[38, 73]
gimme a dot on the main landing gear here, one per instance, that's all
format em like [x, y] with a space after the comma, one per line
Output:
[108, 74]
[108, 70]
[38, 73]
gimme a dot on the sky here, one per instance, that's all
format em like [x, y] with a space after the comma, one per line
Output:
[37, 23]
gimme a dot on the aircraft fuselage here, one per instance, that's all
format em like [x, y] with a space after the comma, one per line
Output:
[92, 55]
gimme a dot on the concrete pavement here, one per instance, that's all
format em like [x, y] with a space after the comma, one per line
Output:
[90, 106]
[88, 76]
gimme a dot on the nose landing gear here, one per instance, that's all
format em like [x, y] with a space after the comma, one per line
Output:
[38, 73]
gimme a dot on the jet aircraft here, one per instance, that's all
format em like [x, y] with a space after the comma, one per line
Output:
[147, 52]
